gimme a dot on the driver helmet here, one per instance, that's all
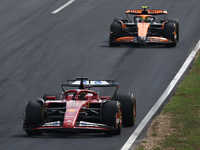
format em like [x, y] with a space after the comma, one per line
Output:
[141, 19]
[83, 96]
[146, 19]
[74, 97]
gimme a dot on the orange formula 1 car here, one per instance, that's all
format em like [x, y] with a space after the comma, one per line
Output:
[145, 27]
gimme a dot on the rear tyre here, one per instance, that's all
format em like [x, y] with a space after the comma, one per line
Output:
[170, 33]
[115, 32]
[128, 107]
[33, 117]
[112, 117]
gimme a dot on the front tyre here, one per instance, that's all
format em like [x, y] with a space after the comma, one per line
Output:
[175, 20]
[170, 33]
[112, 117]
[33, 117]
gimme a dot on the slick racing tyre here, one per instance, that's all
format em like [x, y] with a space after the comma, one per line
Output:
[128, 107]
[33, 117]
[170, 33]
[112, 117]
[175, 20]
[115, 32]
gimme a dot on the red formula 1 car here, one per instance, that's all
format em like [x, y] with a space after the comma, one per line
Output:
[144, 27]
[81, 109]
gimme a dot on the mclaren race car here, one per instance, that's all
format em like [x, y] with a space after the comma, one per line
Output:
[81, 109]
[144, 26]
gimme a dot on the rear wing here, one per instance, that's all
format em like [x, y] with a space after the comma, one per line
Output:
[84, 82]
[146, 12]
[91, 83]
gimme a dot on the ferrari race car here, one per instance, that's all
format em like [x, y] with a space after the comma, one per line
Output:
[144, 27]
[81, 109]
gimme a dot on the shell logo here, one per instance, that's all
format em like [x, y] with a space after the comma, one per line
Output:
[72, 110]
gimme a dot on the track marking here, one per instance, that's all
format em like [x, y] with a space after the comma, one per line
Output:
[63, 6]
[153, 110]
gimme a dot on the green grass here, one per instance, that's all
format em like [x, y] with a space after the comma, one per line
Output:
[185, 109]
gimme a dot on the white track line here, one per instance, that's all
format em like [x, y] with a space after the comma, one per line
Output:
[62, 7]
[153, 110]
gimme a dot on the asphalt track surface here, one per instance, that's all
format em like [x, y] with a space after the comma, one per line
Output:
[39, 50]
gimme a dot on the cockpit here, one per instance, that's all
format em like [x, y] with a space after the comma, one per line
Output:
[80, 95]
[144, 18]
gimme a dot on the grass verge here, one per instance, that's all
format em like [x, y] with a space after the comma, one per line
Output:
[184, 112]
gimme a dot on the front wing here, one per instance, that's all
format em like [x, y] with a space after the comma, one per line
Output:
[81, 125]
[142, 40]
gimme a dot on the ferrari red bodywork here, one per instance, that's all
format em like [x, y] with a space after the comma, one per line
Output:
[74, 108]
[79, 109]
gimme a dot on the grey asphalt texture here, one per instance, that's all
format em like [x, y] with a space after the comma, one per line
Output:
[39, 50]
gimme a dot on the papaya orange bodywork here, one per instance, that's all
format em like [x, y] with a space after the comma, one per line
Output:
[157, 11]
[159, 39]
[123, 25]
[135, 11]
[163, 26]
[143, 29]
[125, 39]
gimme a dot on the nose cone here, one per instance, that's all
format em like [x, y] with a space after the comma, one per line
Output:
[142, 29]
